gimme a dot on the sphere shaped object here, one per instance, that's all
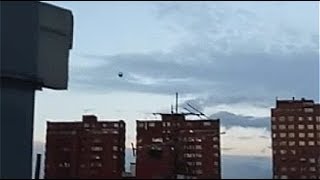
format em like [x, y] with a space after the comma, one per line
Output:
[120, 74]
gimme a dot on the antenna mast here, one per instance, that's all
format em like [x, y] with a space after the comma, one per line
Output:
[177, 102]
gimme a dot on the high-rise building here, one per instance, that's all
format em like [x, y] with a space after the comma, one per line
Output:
[296, 139]
[174, 147]
[89, 149]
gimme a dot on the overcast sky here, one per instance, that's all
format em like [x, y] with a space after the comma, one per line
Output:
[229, 59]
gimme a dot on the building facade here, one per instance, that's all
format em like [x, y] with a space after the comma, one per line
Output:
[178, 148]
[296, 139]
[90, 149]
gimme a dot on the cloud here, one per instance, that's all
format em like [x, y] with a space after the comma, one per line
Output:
[227, 55]
[228, 120]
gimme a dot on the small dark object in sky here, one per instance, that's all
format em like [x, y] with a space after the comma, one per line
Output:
[120, 74]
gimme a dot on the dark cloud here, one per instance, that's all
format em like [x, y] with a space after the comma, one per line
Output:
[228, 120]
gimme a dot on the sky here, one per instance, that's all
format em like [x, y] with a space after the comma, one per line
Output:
[231, 60]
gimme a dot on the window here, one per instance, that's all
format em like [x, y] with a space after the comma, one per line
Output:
[96, 148]
[302, 143]
[290, 118]
[96, 140]
[274, 127]
[300, 118]
[291, 135]
[164, 124]
[206, 123]
[282, 127]
[308, 110]
[318, 118]
[293, 169]
[199, 171]
[114, 157]
[293, 152]
[215, 146]
[283, 177]
[312, 160]
[302, 135]
[65, 149]
[198, 163]
[115, 125]
[115, 132]
[96, 157]
[283, 135]
[64, 164]
[152, 124]
[292, 143]
[157, 140]
[115, 148]
[283, 158]
[310, 118]
[291, 127]
[168, 124]
[311, 143]
[198, 139]
[140, 124]
[282, 118]
[312, 169]
[215, 139]
[303, 159]
[318, 126]
[198, 147]
[283, 169]
[310, 126]
[310, 135]
[198, 155]
[86, 125]
[300, 126]
[274, 151]
[216, 155]
[283, 151]
[274, 135]
[273, 118]
[283, 143]
[216, 163]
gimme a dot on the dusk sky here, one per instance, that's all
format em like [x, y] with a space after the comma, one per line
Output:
[229, 59]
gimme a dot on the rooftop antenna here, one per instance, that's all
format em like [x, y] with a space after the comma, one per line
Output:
[198, 111]
[192, 112]
[177, 102]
